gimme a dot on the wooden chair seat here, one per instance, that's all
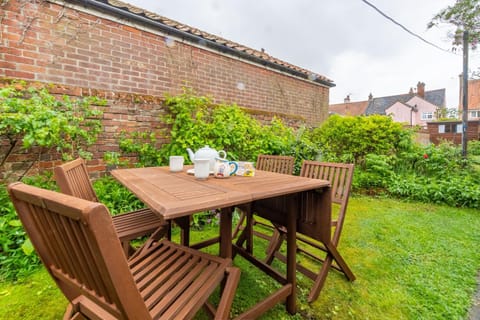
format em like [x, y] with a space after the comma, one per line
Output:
[340, 176]
[79, 246]
[134, 224]
[73, 179]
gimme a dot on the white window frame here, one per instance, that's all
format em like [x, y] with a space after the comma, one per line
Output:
[474, 113]
[427, 115]
[441, 128]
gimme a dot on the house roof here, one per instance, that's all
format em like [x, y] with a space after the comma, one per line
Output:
[202, 38]
[404, 104]
[379, 105]
[349, 108]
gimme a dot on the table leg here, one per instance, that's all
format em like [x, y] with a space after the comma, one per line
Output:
[184, 224]
[291, 254]
[226, 233]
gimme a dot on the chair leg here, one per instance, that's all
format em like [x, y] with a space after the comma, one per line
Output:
[127, 248]
[239, 224]
[320, 280]
[247, 233]
[274, 245]
[332, 249]
[326, 265]
[228, 293]
[81, 308]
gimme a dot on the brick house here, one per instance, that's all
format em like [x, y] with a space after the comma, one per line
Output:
[132, 57]
[473, 99]
[348, 108]
[452, 131]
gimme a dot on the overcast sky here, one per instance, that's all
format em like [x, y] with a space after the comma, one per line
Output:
[346, 41]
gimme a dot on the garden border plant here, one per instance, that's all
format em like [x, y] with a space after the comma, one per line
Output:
[32, 117]
[195, 121]
[39, 122]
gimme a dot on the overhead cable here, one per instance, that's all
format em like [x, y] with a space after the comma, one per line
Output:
[405, 28]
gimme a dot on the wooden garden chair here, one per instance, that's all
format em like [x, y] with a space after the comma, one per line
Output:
[78, 244]
[73, 179]
[272, 163]
[340, 176]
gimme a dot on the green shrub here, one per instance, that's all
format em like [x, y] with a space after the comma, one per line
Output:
[351, 139]
[377, 173]
[473, 148]
[443, 159]
[17, 255]
[455, 191]
[193, 122]
[33, 117]
[196, 122]
[116, 197]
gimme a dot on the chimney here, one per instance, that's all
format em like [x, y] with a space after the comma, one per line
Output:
[370, 97]
[421, 89]
[347, 99]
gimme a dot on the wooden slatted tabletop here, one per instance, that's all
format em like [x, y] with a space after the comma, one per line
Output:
[179, 194]
[175, 195]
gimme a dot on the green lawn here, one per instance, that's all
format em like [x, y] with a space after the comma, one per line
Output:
[411, 260]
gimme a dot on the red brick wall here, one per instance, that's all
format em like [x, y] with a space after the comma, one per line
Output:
[83, 51]
[473, 132]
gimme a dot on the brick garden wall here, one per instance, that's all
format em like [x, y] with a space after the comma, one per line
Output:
[83, 52]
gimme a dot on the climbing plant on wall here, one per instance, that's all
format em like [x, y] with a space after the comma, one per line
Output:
[32, 117]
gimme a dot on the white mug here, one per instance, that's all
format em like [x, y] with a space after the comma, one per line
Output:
[176, 163]
[201, 168]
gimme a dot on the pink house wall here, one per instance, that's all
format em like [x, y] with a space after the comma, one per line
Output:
[400, 113]
[403, 113]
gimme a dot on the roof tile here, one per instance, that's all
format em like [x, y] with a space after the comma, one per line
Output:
[211, 37]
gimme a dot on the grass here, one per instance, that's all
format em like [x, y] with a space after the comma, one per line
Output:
[411, 260]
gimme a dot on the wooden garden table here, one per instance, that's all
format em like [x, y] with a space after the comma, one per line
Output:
[178, 195]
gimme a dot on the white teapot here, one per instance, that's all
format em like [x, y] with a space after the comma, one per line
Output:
[207, 153]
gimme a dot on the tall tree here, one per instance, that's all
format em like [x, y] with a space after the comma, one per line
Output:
[464, 15]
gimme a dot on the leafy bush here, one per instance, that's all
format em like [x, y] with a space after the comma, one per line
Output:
[116, 197]
[16, 252]
[17, 255]
[351, 139]
[473, 148]
[377, 173]
[196, 122]
[193, 122]
[443, 159]
[34, 117]
[456, 191]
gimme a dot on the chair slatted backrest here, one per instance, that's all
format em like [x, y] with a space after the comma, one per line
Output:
[73, 179]
[273, 163]
[340, 176]
[78, 245]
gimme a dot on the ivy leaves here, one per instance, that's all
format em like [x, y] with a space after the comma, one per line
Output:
[38, 118]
